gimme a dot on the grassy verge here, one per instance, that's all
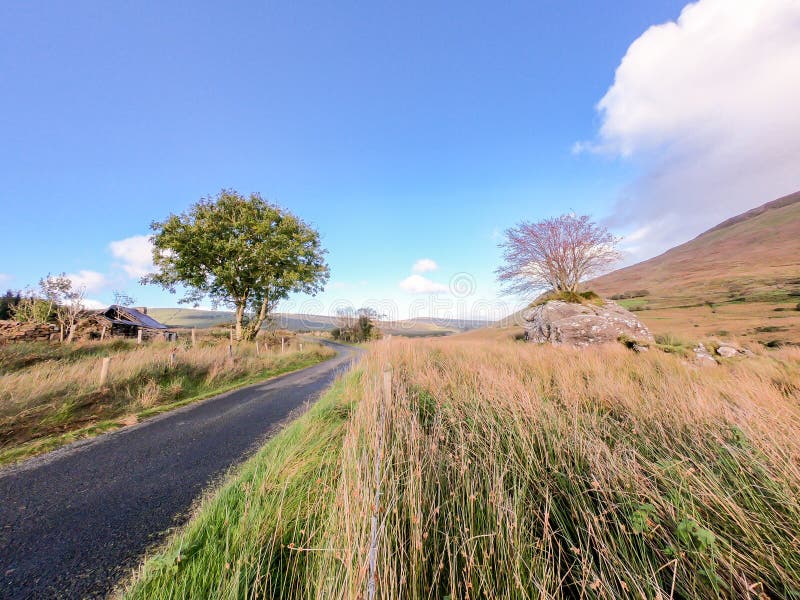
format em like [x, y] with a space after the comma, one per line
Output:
[22, 355]
[260, 534]
[55, 403]
[515, 471]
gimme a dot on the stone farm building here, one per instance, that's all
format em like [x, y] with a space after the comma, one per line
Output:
[121, 321]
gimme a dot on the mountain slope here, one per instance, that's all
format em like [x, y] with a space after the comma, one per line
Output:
[753, 256]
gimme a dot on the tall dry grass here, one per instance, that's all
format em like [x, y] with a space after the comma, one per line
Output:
[514, 471]
[55, 396]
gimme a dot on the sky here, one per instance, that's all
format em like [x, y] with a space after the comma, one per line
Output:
[411, 135]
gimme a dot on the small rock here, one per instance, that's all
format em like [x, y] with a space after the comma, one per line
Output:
[728, 351]
[703, 357]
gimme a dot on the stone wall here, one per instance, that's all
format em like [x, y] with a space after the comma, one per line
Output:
[13, 331]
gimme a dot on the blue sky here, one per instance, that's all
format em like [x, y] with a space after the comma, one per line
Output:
[401, 131]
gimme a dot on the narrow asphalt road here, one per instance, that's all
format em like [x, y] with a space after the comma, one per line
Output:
[75, 521]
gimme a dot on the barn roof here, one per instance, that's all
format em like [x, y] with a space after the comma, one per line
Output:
[130, 316]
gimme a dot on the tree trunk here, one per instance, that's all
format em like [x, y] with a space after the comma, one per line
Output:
[253, 328]
[239, 321]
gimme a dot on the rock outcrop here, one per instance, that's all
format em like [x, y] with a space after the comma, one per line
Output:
[727, 350]
[559, 322]
[703, 356]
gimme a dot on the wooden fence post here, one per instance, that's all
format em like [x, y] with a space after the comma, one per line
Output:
[104, 370]
[172, 359]
[103, 333]
[257, 349]
[282, 345]
[301, 346]
[61, 333]
[139, 337]
[194, 338]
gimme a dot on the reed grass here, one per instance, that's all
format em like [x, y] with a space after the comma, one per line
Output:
[515, 471]
[56, 401]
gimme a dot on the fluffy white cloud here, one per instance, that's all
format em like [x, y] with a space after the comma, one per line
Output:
[424, 265]
[91, 281]
[417, 284]
[135, 255]
[4, 277]
[707, 106]
[91, 304]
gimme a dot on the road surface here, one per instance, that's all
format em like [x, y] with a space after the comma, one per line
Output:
[75, 521]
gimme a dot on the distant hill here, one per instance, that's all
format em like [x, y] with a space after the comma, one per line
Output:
[189, 317]
[754, 256]
[739, 279]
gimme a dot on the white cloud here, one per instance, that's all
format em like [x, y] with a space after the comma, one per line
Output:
[91, 281]
[424, 265]
[4, 278]
[707, 105]
[135, 254]
[417, 284]
[91, 304]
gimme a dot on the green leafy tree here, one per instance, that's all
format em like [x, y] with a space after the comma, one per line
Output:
[31, 309]
[56, 299]
[242, 252]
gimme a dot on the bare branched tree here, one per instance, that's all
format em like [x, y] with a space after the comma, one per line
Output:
[67, 301]
[122, 298]
[556, 253]
[346, 317]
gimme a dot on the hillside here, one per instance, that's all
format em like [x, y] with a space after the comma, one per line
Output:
[424, 326]
[754, 256]
[739, 279]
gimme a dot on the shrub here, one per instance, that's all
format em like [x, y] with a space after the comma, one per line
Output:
[587, 297]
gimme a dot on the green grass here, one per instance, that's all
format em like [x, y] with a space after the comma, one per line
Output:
[259, 534]
[587, 297]
[632, 303]
[673, 344]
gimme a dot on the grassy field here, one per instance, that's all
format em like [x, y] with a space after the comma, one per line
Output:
[513, 471]
[50, 394]
[738, 278]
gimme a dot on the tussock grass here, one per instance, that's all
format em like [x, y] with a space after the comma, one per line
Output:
[56, 401]
[21, 355]
[517, 471]
[587, 297]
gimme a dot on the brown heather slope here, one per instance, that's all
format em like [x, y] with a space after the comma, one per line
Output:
[740, 279]
[755, 256]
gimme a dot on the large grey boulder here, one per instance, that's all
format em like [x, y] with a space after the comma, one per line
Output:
[559, 322]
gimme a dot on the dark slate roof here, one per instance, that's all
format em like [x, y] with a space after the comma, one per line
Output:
[131, 316]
